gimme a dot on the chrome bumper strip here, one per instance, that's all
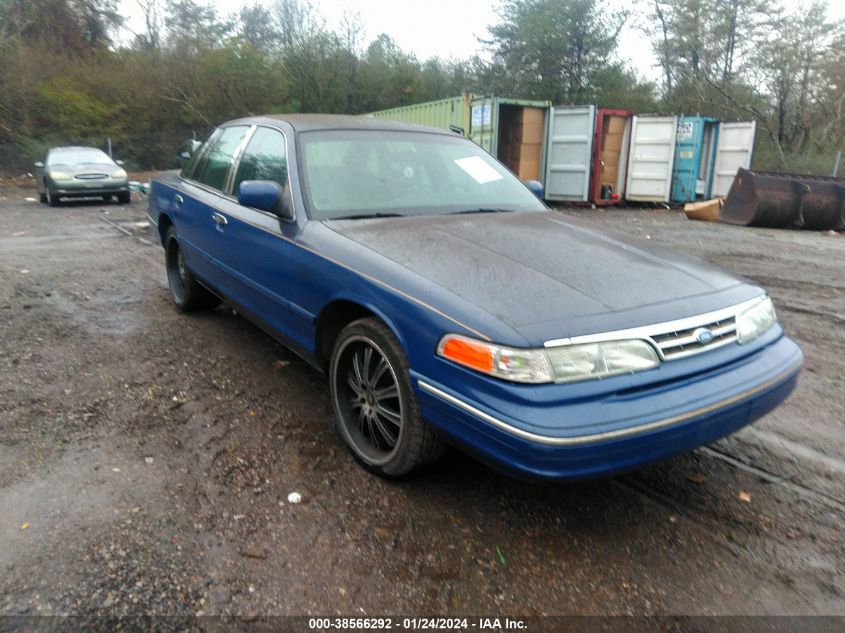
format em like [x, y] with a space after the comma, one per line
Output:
[607, 435]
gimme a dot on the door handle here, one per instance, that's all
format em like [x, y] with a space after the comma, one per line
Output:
[178, 199]
[220, 219]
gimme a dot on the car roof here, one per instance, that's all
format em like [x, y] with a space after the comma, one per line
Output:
[73, 148]
[308, 122]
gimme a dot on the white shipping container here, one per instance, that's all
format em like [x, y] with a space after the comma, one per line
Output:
[651, 159]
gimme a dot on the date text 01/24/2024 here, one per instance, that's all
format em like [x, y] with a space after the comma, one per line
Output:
[417, 623]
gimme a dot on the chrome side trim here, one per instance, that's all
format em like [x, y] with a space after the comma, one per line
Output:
[236, 159]
[656, 329]
[578, 440]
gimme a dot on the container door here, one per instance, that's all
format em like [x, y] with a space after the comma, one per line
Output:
[687, 158]
[733, 150]
[483, 123]
[568, 152]
[651, 158]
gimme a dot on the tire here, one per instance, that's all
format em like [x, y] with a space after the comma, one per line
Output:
[187, 293]
[375, 410]
[49, 198]
[124, 197]
[42, 197]
[106, 198]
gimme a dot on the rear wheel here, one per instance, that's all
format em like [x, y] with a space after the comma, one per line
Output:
[187, 293]
[375, 410]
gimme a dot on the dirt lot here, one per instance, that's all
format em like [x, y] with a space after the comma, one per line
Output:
[146, 459]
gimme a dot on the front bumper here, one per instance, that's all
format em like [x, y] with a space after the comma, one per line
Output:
[82, 189]
[580, 437]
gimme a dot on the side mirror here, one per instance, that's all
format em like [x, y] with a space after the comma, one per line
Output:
[38, 164]
[119, 163]
[536, 188]
[266, 195]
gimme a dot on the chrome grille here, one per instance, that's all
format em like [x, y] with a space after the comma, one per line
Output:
[686, 342]
[675, 339]
[91, 176]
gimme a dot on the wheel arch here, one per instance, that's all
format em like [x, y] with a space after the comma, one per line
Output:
[164, 223]
[335, 316]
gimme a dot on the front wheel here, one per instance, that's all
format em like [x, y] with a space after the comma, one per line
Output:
[124, 197]
[187, 293]
[375, 410]
[51, 198]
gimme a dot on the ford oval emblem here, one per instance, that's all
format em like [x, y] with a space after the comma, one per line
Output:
[703, 335]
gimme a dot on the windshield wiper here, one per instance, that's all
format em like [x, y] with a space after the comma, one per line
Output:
[364, 216]
[482, 210]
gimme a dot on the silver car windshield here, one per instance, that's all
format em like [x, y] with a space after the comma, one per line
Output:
[78, 156]
[364, 173]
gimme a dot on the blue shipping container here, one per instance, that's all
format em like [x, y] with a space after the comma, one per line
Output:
[695, 157]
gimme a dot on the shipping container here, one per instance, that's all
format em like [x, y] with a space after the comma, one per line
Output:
[569, 149]
[452, 113]
[611, 142]
[695, 158]
[733, 150]
[587, 154]
[512, 130]
[652, 156]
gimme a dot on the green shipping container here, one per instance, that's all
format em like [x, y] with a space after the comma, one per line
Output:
[452, 113]
[496, 123]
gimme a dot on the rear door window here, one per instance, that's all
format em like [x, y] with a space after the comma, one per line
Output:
[264, 159]
[214, 166]
[196, 163]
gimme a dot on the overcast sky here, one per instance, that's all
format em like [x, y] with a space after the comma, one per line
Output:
[450, 28]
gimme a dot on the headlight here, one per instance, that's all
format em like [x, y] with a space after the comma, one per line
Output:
[569, 363]
[755, 320]
[600, 360]
[519, 365]
[120, 173]
[59, 175]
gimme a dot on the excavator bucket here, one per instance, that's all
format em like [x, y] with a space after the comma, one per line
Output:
[778, 200]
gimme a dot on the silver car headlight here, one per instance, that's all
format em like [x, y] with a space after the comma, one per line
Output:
[569, 363]
[588, 361]
[120, 173]
[754, 321]
[59, 175]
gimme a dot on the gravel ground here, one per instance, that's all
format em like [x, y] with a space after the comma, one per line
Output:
[146, 458]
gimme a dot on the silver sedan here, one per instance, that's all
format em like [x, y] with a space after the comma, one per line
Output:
[81, 172]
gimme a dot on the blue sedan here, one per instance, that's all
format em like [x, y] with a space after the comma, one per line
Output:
[447, 303]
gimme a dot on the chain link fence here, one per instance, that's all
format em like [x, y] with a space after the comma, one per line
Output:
[809, 164]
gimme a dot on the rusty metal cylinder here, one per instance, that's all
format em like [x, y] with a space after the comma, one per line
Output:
[779, 200]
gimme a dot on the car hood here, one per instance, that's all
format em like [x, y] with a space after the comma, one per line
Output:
[84, 168]
[529, 269]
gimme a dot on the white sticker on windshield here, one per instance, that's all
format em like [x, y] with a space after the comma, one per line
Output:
[478, 169]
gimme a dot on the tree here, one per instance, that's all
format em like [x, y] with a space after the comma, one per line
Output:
[796, 77]
[555, 50]
[258, 28]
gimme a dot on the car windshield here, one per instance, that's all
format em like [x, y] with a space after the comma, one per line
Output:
[370, 173]
[78, 156]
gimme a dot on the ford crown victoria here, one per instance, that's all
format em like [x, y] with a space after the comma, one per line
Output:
[447, 303]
